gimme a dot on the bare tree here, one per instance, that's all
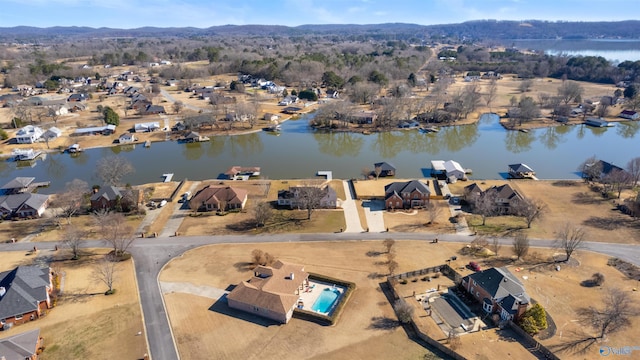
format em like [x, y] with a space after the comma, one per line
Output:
[618, 311]
[485, 205]
[403, 310]
[495, 245]
[520, 245]
[73, 238]
[392, 266]
[569, 239]
[377, 171]
[72, 200]
[105, 271]
[433, 211]
[53, 114]
[602, 110]
[453, 338]
[570, 91]
[115, 231]
[633, 168]
[388, 245]
[525, 85]
[262, 213]
[310, 197]
[530, 209]
[616, 180]
[178, 106]
[492, 92]
[111, 169]
[591, 169]
[366, 172]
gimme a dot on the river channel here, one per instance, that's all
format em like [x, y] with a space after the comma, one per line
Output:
[299, 152]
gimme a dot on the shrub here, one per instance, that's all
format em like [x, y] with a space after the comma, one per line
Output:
[597, 279]
[403, 281]
[3, 134]
[404, 310]
[534, 320]
[436, 275]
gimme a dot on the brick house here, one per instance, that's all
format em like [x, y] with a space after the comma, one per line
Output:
[218, 198]
[272, 292]
[24, 346]
[406, 195]
[499, 292]
[111, 197]
[24, 294]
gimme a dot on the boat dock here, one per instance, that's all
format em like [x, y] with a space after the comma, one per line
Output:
[147, 143]
[167, 177]
[25, 154]
[326, 173]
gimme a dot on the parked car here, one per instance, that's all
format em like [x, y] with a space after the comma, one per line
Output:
[162, 203]
[474, 266]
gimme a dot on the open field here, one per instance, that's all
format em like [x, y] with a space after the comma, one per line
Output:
[367, 189]
[85, 323]
[566, 201]
[222, 332]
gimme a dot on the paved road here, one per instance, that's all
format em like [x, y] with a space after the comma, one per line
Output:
[151, 254]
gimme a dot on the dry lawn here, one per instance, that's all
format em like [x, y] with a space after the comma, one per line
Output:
[85, 323]
[566, 201]
[366, 189]
[418, 220]
[201, 331]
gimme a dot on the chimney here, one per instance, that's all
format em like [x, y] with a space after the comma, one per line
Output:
[291, 275]
[2, 292]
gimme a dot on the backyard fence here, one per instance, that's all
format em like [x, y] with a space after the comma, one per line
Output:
[532, 344]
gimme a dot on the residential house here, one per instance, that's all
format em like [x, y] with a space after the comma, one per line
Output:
[17, 185]
[271, 117]
[23, 205]
[75, 107]
[363, 117]
[521, 171]
[179, 126]
[139, 103]
[52, 133]
[272, 292]
[472, 193]
[59, 110]
[77, 97]
[296, 197]
[131, 90]
[499, 292]
[629, 114]
[113, 198]
[288, 100]
[24, 346]
[505, 198]
[193, 136]
[153, 109]
[575, 112]
[219, 198]
[146, 127]
[29, 134]
[24, 294]
[383, 169]
[104, 130]
[126, 138]
[604, 167]
[405, 195]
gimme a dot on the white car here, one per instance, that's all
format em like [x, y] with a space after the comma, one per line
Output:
[162, 203]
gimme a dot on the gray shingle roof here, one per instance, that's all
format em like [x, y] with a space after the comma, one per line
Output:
[18, 183]
[25, 286]
[385, 166]
[108, 192]
[405, 187]
[500, 283]
[15, 201]
[519, 168]
[20, 346]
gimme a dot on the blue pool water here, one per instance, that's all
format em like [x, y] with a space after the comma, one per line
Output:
[325, 301]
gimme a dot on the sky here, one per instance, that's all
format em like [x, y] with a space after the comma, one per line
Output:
[205, 13]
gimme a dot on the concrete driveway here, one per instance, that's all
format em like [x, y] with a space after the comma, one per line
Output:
[351, 217]
[374, 212]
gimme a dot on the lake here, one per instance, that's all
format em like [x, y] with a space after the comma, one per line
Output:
[299, 152]
[614, 50]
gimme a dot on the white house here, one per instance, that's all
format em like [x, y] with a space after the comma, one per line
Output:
[146, 127]
[52, 133]
[29, 134]
[454, 170]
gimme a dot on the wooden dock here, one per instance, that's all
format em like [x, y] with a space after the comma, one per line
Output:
[326, 173]
[147, 144]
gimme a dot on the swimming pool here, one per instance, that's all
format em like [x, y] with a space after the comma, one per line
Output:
[325, 301]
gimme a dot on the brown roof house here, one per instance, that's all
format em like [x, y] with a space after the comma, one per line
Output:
[272, 292]
[24, 294]
[24, 346]
[218, 198]
[405, 195]
[499, 291]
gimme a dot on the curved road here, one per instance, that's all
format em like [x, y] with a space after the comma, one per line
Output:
[151, 254]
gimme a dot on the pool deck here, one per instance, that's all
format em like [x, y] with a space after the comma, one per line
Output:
[311, 293]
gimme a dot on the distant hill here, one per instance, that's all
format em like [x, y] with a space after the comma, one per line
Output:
[478, 30]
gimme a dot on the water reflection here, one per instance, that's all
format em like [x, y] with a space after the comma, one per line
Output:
[339, 144]
[388, 144]
[628, 129]
[193, 151]
[551, 137]
[517, 141]
[55, 166]
[456, 138]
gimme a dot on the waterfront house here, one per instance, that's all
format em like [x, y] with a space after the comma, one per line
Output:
[272, 292]
[499, 292]
[629, 114]
[29, 134]
[521, 171]
[595, 122]
[17, 185]
[114, 198]
[23, 346]
[454, 170]
[405, 195]
[219, 198]
[505, 198]
[23, 205]
[295, 197]
[126, 138]
[363, 117]
[24, 294]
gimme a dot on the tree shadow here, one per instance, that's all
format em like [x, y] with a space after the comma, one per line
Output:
[373, 253]
[583, 198]
[243, 266]
[605, 223]
[578, 343]
[565, 183]
[383, 323]
[375, 275]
